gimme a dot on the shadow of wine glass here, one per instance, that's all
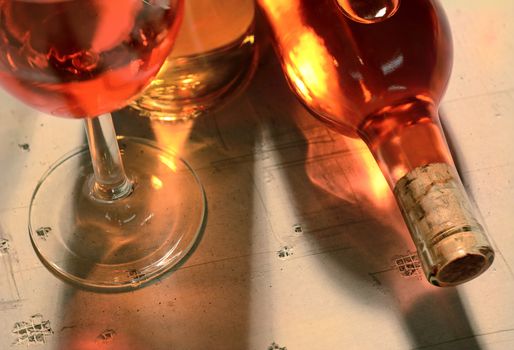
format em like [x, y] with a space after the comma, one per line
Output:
[205, 303]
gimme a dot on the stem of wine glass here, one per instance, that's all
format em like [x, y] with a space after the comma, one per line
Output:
[110, 181]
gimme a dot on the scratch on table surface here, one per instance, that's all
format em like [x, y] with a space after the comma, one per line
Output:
[297, 229]
[9, 291]
[275, 346]
[311, 160]
[106, 336]
[374, 276]
[4, 209]
[248, 256]
[469, 97]
[408, 265]
[264, 153]
[226, 162]
[33, 331]
[63, 328]
[260, 154]
[4, 246]
[493, 167]
[340, 225]
[437, 345]
[43, 232]
[285, 252]
[24, 146]
[264, 206]
[219, 134]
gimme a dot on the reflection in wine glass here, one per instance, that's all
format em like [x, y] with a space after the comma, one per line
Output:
[378, 70]
[102, 219]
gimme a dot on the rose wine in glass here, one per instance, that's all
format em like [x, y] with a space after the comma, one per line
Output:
[102, 219]
[377, 69]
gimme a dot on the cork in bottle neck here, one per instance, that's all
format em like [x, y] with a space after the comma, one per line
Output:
[451, 244]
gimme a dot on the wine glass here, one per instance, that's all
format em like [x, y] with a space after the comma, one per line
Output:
[377, 69]
[128, 210]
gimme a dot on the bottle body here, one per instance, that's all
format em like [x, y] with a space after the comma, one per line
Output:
[381, 78]
[214, 56]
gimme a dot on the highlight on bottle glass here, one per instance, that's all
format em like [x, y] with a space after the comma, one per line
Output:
[377, 70]
[213, 59]
[122, 211]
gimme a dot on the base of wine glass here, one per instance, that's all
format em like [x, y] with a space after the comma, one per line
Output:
[124, 243]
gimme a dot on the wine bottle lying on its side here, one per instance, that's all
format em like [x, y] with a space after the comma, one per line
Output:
[377, 70]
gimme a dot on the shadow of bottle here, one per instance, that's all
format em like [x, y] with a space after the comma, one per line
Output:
[349, 218]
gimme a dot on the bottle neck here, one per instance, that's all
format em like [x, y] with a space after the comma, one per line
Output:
[404, 137]
[409, 146]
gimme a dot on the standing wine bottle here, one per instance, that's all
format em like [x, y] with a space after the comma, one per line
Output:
[377, 69]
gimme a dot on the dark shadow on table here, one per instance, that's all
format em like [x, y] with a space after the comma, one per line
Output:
[350, 215]
[205, 304]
